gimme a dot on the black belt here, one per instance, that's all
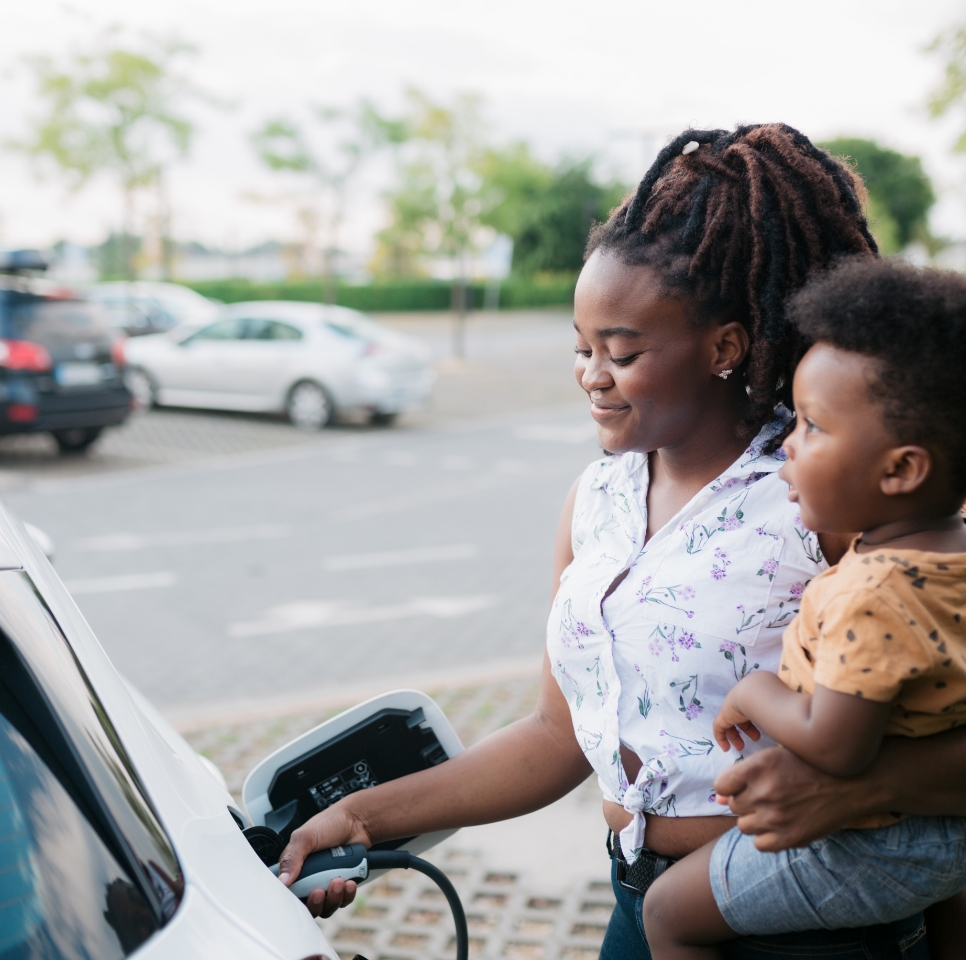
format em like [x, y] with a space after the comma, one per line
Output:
[640, 874]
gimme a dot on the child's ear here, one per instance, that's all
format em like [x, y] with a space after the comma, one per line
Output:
[907, 469]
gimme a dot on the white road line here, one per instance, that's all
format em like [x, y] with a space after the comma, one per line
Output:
[305, 614]
[130, 581]
[180, 538]
[400, 558]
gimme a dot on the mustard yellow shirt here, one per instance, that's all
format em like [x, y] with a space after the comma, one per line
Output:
[888, 626]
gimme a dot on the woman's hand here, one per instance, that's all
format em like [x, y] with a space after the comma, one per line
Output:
[729, 721]
[786, 802]
[331, 828]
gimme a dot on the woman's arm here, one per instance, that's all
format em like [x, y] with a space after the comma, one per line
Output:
[516, 770]
[787, 803]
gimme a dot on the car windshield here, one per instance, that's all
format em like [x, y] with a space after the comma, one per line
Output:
[86, 869]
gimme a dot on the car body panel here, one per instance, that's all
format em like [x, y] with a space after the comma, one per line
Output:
[230, 897]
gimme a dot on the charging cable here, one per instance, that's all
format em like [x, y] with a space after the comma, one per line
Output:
[353, 862]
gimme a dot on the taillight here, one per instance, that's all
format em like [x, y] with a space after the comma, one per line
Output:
[117, 352]
[24, 355]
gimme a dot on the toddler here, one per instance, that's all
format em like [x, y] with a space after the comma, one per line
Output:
[879, 645]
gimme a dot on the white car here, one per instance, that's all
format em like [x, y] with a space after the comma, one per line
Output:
[306, 360]
[143, 307]
[117, 837]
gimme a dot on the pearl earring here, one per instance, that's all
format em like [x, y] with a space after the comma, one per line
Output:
[724, 374]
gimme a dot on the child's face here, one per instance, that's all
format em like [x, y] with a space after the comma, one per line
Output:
[841, 446]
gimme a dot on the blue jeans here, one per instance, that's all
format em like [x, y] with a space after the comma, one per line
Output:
[903, 940]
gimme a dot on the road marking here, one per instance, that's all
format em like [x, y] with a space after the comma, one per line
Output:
[305, 614]
[181, 538]
[400, 558]
[577, 433]
[399, 458]
[130, 581]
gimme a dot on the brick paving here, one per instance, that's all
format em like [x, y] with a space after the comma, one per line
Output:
[401, 915]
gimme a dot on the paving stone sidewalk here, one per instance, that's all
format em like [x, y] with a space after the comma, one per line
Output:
[402, 916]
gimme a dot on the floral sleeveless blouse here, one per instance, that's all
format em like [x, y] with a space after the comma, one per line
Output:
[705, 602]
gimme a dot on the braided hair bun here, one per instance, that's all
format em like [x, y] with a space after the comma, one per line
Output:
[737, 225]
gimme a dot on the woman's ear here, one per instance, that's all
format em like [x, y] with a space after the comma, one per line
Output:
[907, 469]
[731, 346]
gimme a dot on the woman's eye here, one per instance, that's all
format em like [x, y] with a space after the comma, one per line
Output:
[624, 361]
[582, 353]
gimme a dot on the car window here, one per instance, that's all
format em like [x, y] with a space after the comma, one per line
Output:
[64, 894]
[28, 317]
[47, 696]
[264, 329]
[231, 328]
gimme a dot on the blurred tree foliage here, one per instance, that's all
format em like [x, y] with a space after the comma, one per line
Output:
[435, 208]
[900, 191]
[115, 111]
[547, 211]
[950, 95]
[324, 160]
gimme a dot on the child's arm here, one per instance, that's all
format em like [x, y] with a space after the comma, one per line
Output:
[838, 733]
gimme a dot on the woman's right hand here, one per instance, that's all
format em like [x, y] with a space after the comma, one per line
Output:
[334, 827]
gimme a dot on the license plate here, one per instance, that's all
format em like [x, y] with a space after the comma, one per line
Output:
[77, 374]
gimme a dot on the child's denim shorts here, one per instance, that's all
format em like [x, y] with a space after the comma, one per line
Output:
[855, 878]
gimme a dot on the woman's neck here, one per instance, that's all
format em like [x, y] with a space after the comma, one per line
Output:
[677, 473]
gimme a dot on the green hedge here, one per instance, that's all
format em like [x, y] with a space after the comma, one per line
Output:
[515, 293]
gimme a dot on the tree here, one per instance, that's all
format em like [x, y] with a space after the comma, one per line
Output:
[435, 209]
[114, 111]
[324, 162]
[548, 212]
[950, 95]
[900, 192]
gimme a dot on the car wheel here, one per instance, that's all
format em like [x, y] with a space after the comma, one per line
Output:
[77, 440]
[309, 406]
[380, 419]
[141, 386]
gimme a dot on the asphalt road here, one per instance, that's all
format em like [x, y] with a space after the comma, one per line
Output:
[273, 569]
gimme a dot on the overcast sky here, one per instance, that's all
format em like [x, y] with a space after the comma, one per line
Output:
[570, 77]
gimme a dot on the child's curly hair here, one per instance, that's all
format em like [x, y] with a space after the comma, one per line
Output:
[913, 321]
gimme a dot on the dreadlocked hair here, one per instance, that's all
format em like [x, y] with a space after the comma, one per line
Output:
[737, 225]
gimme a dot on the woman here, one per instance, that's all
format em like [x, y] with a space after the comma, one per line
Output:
[678, 559]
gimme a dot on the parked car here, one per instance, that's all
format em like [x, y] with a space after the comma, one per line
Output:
[117, 838]
[61, 361]
[306, 360]
[142, 307]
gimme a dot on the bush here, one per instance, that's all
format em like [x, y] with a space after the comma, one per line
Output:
[388, 296]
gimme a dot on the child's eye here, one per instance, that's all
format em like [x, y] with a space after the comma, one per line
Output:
[810, 426]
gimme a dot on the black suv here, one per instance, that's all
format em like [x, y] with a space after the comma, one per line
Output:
[61, 363]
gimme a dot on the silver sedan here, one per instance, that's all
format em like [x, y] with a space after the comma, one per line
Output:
[306, 360]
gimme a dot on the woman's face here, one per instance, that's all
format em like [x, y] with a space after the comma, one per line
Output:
[649, 369]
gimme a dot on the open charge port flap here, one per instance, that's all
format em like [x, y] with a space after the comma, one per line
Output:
[390, 744]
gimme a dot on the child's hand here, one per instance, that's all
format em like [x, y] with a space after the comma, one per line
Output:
[729, 721]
